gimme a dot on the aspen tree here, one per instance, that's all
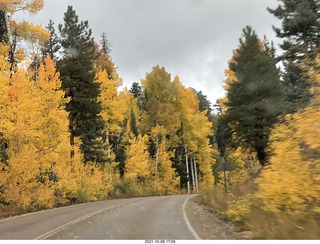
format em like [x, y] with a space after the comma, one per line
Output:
[168, 178]
[111, 108]
[290, 184]
[138, 162]
[9, 7]
[156, 135]
[25, 178]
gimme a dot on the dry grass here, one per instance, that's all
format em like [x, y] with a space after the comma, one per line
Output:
[247, 214]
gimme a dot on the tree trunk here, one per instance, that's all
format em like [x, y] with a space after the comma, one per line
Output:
[188, 182]
[157, 158]
[262, 156]
[192, 175]
[71, 131]
[195, 174]
[108, 145]
[10, 40]
[8, 28]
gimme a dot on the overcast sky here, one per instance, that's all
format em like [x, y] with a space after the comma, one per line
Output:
[193, 39]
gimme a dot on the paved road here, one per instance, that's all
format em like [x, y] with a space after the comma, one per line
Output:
[121, 219]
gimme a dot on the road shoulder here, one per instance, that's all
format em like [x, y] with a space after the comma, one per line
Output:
[207, 225]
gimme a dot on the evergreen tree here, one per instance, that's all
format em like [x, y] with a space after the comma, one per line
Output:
[51, 47]
[204, 103]
[78, 82]
[301, 31]
[3, 37]
[254, 99]
[136, 91]
[133, 124]
[300, 26]
[105, 44]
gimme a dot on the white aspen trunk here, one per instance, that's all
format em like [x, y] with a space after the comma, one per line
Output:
[109, 151]
[157, 158]
[192, 175]
[188, 182]
[8, 28]
[195, 174]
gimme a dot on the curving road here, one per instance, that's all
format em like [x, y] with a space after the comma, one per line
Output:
[122, 219]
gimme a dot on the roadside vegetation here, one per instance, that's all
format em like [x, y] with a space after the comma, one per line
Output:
[268, 131]
[69, 135]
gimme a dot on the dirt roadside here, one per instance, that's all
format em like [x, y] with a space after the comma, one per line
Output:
[208, 226]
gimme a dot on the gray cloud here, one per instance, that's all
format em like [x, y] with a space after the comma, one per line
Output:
[193, 39]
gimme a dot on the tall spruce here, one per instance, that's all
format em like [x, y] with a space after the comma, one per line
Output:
[300, 32]
[255, 98]
[78, 82]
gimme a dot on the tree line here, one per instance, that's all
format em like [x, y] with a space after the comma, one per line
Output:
[68, 135]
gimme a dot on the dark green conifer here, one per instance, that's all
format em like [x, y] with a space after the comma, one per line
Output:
[300, 32]
[52, 46]
[255, 99]
[78, 82]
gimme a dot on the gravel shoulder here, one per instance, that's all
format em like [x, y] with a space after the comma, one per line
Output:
[207, 225]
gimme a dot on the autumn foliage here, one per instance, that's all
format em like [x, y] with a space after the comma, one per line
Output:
[146, 140]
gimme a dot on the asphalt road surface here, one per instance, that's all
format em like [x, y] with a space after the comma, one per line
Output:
[122, 219]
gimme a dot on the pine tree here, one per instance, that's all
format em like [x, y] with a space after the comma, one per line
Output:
[255, 98]
[300, 31]
[3, 37]
[78, 82]
[105, 44]
[136, 91]
[300, 27]
[51, 47]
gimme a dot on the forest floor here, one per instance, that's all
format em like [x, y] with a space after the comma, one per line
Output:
[208, 226]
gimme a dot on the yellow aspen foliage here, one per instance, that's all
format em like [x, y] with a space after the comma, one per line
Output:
[196, 129]
[91, 185]
[128, 103]
[32, 6]
[138, 163]
[287, 184]
[30, 32]
[230, 78]
[40, 171]
[291, 183]
[205, 162]
[168, 178]
[244, 164]
[112, 111]
[157, 133]
[25, 177]
[112, 108]
[4, 85]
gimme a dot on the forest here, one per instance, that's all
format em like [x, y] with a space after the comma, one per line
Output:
[69, 135]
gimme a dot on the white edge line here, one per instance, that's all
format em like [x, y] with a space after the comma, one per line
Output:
[193, 232]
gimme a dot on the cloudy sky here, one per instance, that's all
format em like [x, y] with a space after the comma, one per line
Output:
[193, 39]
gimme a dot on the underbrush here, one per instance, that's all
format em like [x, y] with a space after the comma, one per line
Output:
[245, 211]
